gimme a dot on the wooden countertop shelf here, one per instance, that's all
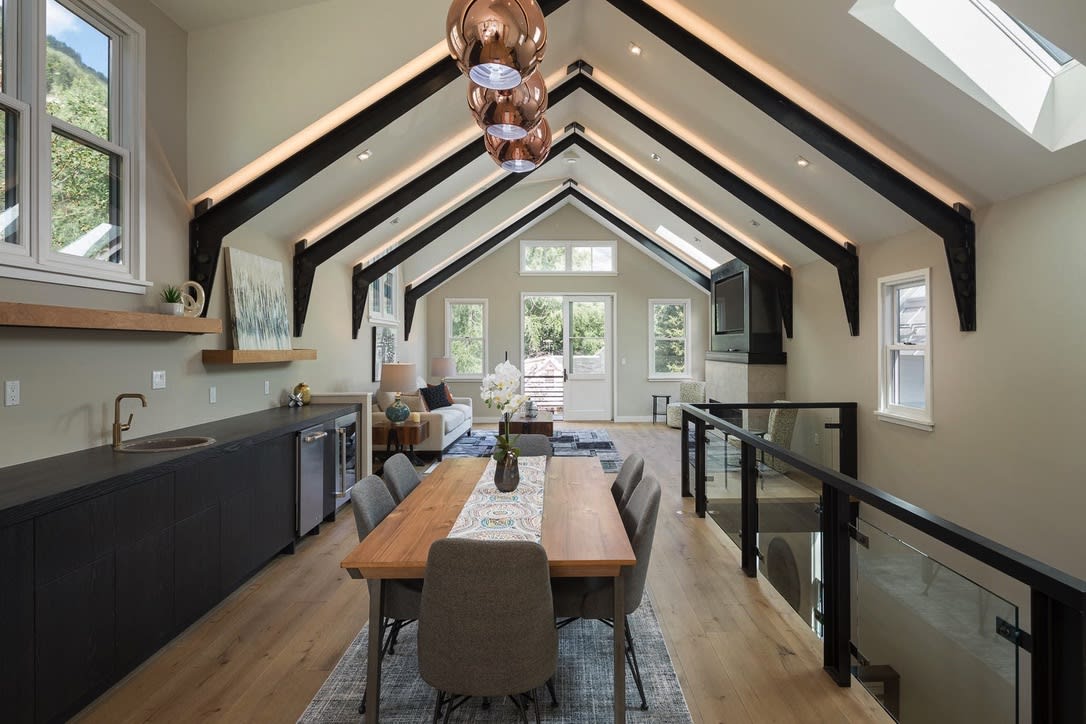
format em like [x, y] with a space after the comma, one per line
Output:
[14, 314]
[256, 356]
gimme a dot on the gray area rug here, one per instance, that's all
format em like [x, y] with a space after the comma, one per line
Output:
[583, 682]
[567, 443]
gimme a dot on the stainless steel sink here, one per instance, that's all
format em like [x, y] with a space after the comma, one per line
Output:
[165, 444]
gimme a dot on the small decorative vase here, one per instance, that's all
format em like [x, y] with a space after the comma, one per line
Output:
[507, 474]
[302, 391]
[173, 309]
[397, 412]
[193, 303]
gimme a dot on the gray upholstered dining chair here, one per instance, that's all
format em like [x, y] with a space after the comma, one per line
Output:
[629, 475]
[576, 598]
[400, 476]
[372, 502]
[486, 627]
[533, 445]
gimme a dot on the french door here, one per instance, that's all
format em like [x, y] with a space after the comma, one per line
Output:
[568, 354]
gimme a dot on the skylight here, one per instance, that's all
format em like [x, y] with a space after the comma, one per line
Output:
[992, 56]
[686, 247]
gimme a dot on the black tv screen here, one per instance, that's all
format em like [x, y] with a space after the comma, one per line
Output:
[728, 296]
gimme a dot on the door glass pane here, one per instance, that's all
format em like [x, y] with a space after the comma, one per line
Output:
[541, 318]
[911, 304]
[77, 70]
[587, 338]
[544, 258]
[86, 216]
[907, 373]
[9, 215]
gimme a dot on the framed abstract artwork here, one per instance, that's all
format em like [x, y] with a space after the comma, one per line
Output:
[257, 295]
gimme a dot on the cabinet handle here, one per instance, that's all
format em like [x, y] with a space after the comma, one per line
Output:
[314, 437]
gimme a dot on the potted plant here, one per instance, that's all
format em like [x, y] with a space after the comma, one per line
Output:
[501, 391]
[172, 302]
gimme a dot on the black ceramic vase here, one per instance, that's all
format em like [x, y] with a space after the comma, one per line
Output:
[507, 473]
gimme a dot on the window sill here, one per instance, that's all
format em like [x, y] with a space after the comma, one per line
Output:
[915, 423]
[49, 276]
[473, 378]
[568, 274]
[670, 378]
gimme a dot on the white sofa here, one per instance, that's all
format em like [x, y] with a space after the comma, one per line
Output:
[447, 424]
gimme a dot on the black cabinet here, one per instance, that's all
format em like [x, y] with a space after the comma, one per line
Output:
[196, 566]
[274, 495]
[237, 533]
[145, 597]
[17, 622]
[71, 538]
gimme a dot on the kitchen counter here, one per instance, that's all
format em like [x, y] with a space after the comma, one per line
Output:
[33, 488]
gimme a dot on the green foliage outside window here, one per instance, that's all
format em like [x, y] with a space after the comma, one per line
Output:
[669, 338]
[545, 258]
[466, 337]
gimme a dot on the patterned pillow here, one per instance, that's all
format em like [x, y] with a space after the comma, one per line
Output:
[436, 396]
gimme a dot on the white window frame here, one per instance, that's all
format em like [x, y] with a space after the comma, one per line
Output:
[377, 292]
[449, 303]
[653, 374]
[32, 258]
[525, 244]
[887, 301]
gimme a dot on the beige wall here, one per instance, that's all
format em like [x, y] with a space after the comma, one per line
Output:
[639, 279]
[69, 378]
[1005, 456]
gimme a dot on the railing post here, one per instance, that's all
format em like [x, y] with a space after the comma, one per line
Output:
[749, 528]
[1058, 658]
[836, 595]
[700, 499]
[684, 443]
[849, 458]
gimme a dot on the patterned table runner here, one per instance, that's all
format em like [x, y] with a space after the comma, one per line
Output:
[489, 514]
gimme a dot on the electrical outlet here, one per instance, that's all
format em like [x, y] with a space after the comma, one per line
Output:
[11, 393]
[212, 395]
[816, 439]
[267, 387]
[158, 380]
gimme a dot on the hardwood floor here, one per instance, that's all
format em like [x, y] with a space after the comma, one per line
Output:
[741, 653]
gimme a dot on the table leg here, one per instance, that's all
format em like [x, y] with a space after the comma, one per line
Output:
[620, 651]
[373, 661]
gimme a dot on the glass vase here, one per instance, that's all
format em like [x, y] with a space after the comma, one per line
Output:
[507, 473]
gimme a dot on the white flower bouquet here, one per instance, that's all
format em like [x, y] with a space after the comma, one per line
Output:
[501, 391]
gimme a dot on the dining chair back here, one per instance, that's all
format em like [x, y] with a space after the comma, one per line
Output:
[533, 445]
[371, 502]
[629, 475]
[639, 518]
[400, 476]
[486, 626]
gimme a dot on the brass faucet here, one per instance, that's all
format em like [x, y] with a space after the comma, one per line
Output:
[118, 428]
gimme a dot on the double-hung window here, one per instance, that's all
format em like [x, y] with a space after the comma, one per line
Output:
[905, 387]
[465, 336]
[72, 107]
[383, 298]
[669, 338]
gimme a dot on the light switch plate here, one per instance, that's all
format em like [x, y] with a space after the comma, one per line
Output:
[158, 380]
[11, 393]
[267, 387]
[212, 395]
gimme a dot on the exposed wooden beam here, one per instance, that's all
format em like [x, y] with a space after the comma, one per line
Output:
[956, 229]
[207, 229]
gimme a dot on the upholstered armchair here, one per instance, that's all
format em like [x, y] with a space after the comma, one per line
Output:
[688, 392]
[779, 430]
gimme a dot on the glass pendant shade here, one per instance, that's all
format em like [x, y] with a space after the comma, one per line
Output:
[510, 114]
[522, 155]
[498, 43]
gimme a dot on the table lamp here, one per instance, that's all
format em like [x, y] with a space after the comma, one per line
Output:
[398, 377]
[442, 367]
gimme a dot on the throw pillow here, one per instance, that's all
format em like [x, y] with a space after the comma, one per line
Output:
[435, 396]
[448, 393]
[414, 403]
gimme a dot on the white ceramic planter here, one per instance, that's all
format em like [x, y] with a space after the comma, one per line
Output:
[174, 309]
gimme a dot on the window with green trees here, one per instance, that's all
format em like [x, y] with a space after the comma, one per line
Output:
[669, 352]
[567, 257]
[465, 328]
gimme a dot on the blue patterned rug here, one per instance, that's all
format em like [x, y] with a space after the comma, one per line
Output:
[567, 444]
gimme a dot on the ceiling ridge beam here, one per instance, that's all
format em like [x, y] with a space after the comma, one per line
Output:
[952, 223]
[212, 221]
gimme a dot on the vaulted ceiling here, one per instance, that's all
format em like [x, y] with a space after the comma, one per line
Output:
[815, 53]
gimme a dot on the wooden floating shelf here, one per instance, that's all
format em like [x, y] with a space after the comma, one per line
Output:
[256, 356]
[14, 314]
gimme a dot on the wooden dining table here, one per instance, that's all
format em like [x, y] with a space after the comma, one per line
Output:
[582, 533]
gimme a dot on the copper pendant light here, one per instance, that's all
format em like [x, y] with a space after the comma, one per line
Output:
[498, 43]
[523, 155]
[510, 114]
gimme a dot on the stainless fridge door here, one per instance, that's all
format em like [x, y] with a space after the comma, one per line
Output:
[310, 478]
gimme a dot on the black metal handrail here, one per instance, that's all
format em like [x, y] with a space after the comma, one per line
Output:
[1058, 599]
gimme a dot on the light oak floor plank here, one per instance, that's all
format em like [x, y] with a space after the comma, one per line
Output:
[740, 652]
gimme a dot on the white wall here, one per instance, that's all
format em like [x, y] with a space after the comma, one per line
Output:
[1005, 457]
[497, 278]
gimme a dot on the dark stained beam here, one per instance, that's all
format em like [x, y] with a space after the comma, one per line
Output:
[956, 229]
[207, 229]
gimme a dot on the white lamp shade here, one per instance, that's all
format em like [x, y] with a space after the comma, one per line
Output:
[442, 367]
[398, 377]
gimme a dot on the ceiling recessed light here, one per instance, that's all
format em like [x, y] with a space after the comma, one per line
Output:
[802, 162]
[635, 49]
[395, 220]
[655, 157]
[755, 223]
[365, 155]
[571, 159]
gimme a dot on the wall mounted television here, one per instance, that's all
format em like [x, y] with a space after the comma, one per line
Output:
[746, 322]
[730, 307]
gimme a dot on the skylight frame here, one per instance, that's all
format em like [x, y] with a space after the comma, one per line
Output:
[686, 247]
[1026, 38]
